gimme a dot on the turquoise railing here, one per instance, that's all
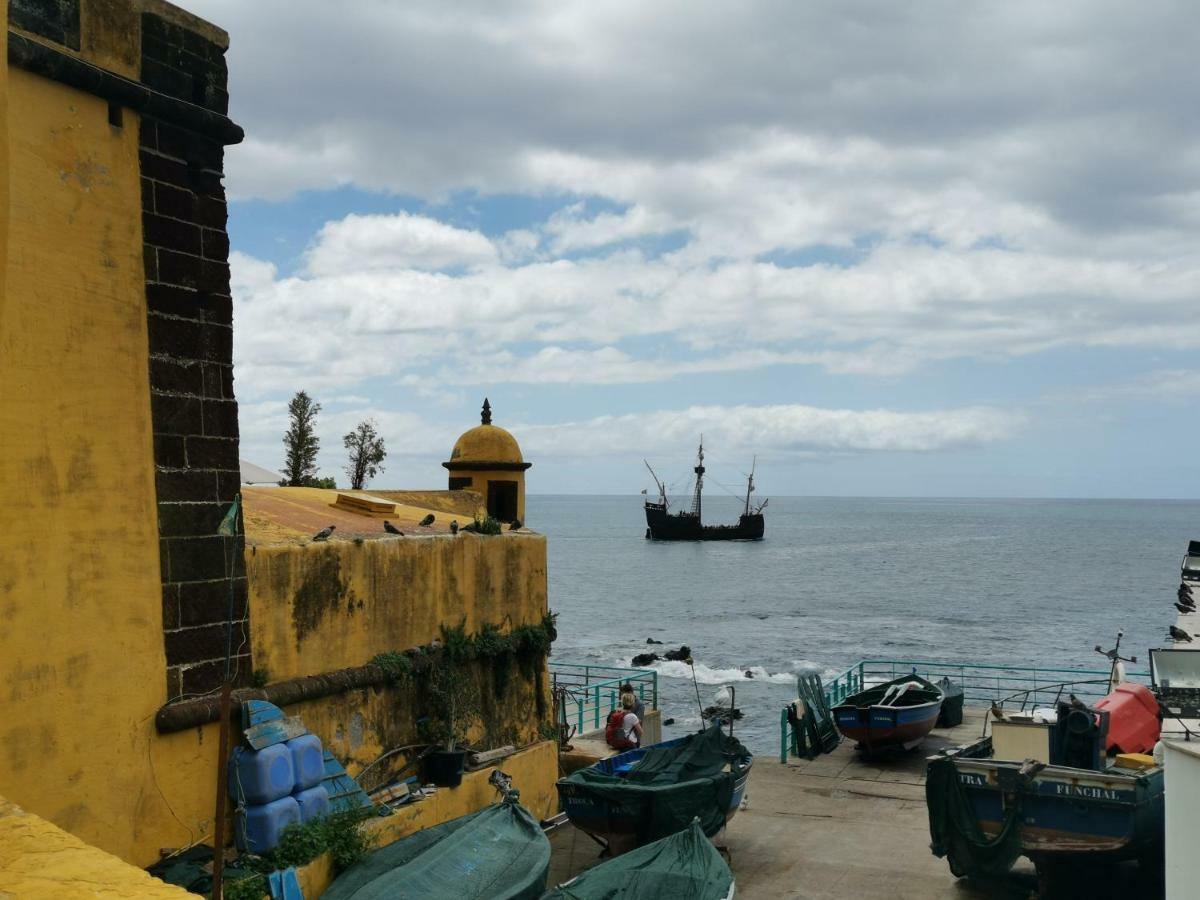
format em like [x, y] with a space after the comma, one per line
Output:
[587, 694]
[1031, 685]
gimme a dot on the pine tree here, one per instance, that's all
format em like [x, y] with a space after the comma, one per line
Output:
[301, 442]
[366, 453]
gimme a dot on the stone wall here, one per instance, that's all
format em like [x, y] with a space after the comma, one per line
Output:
[190, 317]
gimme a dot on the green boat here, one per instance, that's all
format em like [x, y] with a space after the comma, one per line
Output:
[684, 866]
[498, 853]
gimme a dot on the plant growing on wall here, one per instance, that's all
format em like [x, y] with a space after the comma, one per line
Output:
[366, 453]
[301, 443]
[451, 685]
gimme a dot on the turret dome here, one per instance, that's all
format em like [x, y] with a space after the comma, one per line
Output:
[486, 446]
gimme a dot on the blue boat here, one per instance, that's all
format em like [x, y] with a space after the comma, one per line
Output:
[897, 714]
[646, 794]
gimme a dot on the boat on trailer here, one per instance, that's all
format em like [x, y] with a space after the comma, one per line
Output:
[648, 793]
[686, 525]
[895, 715]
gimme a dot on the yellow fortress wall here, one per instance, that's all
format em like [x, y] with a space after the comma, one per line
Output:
[82, 666]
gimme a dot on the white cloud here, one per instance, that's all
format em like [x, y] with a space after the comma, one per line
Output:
[402, 241]
[744, 430]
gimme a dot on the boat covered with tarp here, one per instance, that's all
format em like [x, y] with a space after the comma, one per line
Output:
[894, 715]
[498, 853]
[649, 793]
[684, 866]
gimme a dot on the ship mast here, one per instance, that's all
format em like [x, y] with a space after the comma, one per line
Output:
[750, 486]
[699, 470]
[662, 488]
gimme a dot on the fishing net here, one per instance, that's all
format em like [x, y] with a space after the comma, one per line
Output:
[672, 784]
[954, 827]
[684, 865]
[499, 852]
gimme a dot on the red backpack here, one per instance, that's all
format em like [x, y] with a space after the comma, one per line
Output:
[614, 731]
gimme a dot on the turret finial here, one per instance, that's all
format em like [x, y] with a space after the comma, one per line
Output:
[486, 416]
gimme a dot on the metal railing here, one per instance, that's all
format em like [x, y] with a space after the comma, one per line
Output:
[587, 694]
[1027, 686]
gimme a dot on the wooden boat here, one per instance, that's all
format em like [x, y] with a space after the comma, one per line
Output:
[686, 525]
[643, 795]
[894, 715]
[684, 866]
[499, 852]
[1073, 797]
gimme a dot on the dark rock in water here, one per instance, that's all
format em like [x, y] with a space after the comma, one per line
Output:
[652, 641]
[722, 712]
[644, 659]
[670, 721]
[749, 674]
[680, 655]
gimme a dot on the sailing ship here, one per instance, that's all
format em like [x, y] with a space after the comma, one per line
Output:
[686, 525]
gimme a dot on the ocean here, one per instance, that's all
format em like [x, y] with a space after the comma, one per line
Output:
[1010, 582]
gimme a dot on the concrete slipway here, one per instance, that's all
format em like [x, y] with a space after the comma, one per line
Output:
[842, 827]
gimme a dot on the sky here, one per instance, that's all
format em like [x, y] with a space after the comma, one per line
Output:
[919, 249]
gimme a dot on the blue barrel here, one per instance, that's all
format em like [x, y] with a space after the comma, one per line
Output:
[259, 828]
[261, 776]
[313, 802]
[308, 761]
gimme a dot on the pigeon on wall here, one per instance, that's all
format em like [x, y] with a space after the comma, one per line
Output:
[392, 529]
[1185, 610]
[1180, 635]
[427, 521]
[454, 526]
[324, 533]
[516, 523]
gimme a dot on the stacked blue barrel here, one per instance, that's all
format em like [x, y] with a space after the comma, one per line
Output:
[275, 787]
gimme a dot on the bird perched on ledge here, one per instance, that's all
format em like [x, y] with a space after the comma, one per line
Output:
[324, 533]
[1185, 610]
[392, 529]
[1178, 634]
[516, 524]
[454, 526]
[427, 521]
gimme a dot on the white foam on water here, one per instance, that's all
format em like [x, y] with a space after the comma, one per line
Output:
[707, 675]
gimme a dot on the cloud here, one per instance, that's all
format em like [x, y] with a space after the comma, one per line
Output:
[401, 241]
[772, 429]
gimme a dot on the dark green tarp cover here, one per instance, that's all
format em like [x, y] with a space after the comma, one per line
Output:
[673, 784]
[499, 852]
[954, 828]
[684, 866]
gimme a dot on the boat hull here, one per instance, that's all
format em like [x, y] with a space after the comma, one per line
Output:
[664, 526]
[1067, 812]
[878, 728]
[620, 822]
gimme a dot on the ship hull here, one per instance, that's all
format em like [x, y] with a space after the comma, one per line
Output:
[663, 526]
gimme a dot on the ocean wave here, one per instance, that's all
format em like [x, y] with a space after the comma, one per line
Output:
[707, 675]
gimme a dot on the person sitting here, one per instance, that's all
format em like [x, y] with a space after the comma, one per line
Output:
[639, 708]
[623, 730]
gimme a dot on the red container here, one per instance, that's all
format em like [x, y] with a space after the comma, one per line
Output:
[1133, 723]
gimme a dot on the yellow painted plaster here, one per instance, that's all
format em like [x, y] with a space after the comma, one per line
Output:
[534, 772]
[82, 667]
[40, 860]
[328, 606]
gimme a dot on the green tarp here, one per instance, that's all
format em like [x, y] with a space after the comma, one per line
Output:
[499, 852]
[672, 784]
[684, 866]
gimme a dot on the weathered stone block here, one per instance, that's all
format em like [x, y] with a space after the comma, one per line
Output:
[169, 453]
[212, 452]
[175, 414]
[220, 418]
[198, 558]
[187, 645]
[207, 602]
[190, 519]
[198, 486]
